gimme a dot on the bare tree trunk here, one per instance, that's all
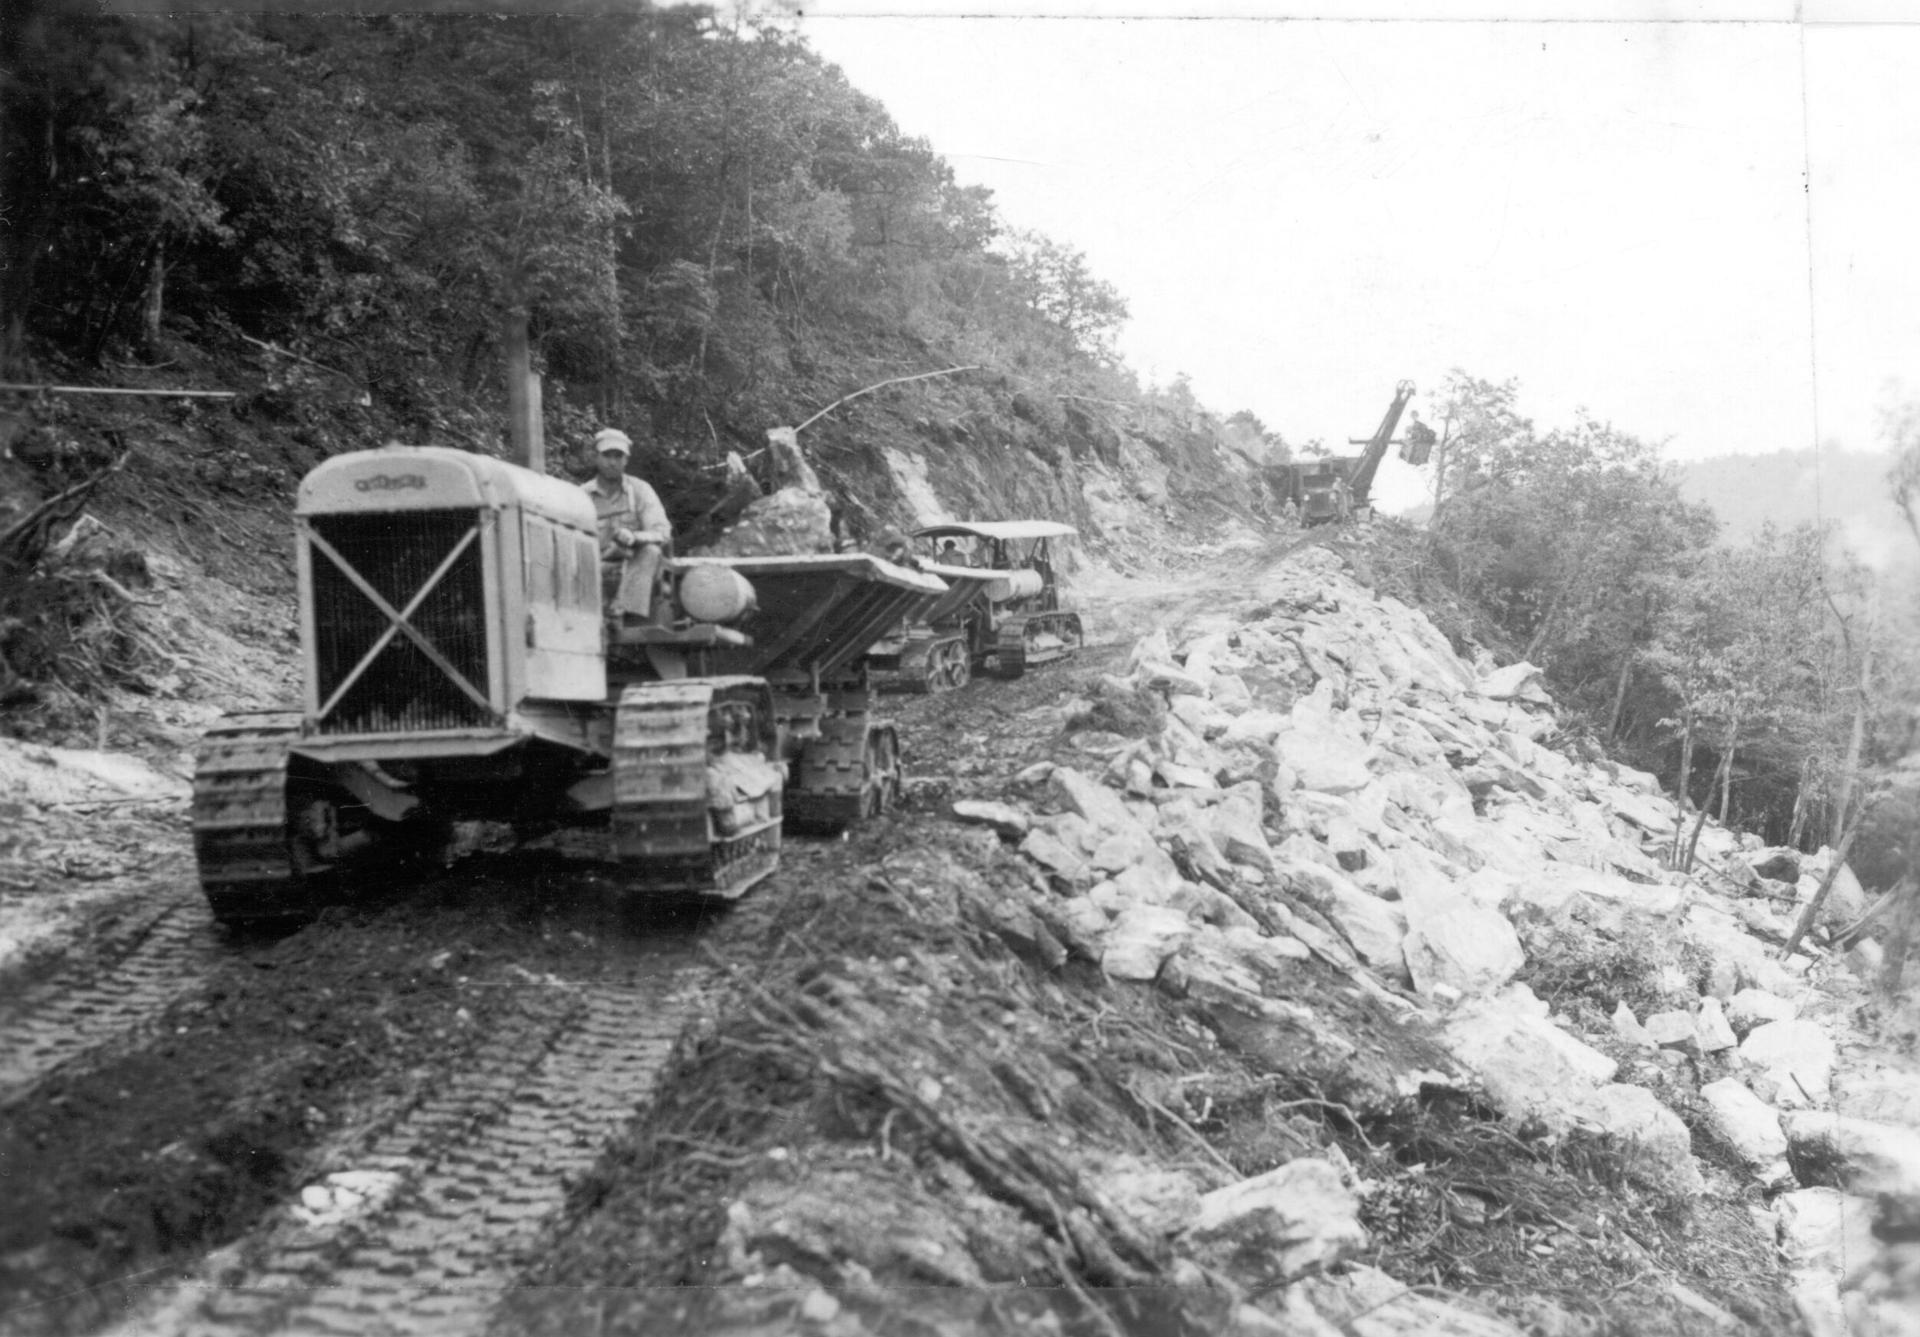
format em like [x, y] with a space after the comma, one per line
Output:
[1722, 776]
[1620, 697]
[1844, 795]
[1726, 788]
[153, 301]
[1680, 796]
[1539, 637]
[1813, 907]
[1802, 804]
[1900, 939]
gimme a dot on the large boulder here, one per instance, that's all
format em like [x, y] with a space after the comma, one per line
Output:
[1846, 899]
[1171, 679]
[1058, 857]
[1104, 809]
[1461, 948]
[1279, 1226]
[1827, 1229]
[1749, 1008]
[792, 520]
[1325, 760]
[1884, 1095]
[1009, 821]
[1658, 1149]
[1529, 1067]
[1366, 1302]
[1160, 1200]
[1515, 682]
[1141, 940]
[1236, 829]
[1792, 1063]
[1854, 1154]
[1748, 1124]
[1716, 1033]
[1654, 815]
[1374, 928]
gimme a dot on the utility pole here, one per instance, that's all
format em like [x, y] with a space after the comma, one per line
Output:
[526, 436]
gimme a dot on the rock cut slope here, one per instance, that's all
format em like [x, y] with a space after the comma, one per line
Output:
[1290, 981]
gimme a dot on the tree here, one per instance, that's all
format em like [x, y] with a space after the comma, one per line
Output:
[1739, 653]
[1900, 431]
[1568, 540]
[1060, 286]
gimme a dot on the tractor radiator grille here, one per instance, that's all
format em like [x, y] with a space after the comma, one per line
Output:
[402, 690]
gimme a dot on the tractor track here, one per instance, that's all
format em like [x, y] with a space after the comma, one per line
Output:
[480, 1169]
[121, 981]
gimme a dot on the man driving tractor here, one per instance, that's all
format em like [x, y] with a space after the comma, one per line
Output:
[634, 529]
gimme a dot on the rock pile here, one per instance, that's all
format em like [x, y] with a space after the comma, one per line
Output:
[1332, 780]
[793, 517]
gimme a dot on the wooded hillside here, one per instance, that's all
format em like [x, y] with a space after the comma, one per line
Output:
[1790, 487]
[710, 231]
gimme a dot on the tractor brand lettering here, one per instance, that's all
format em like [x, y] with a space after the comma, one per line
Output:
[390, 482]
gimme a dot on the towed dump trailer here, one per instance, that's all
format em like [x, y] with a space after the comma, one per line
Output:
[458, 665]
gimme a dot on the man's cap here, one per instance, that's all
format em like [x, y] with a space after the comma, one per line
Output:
[612, 438]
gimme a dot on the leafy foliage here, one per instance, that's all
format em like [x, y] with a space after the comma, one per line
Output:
[1579, 552]
[685, 207]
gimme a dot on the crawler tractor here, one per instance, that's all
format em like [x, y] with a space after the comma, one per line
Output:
[1002, 606]
[458, 667]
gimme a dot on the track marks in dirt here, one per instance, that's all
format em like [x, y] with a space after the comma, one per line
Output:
[118, 984]
[483, 1165]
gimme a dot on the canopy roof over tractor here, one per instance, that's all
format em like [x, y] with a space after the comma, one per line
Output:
[998, 530]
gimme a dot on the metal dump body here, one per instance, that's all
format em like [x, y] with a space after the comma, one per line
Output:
[819, 613]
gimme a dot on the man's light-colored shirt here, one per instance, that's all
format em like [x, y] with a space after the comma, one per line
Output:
[633, 505]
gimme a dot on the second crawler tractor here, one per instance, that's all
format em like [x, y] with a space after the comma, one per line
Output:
[1003, 608]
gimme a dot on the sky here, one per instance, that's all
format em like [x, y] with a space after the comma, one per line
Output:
[1697, 230]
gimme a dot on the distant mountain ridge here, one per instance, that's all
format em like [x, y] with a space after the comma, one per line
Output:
[1790, 486]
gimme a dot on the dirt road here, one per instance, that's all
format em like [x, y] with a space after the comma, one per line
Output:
[364, 1124]
[358, 1125]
